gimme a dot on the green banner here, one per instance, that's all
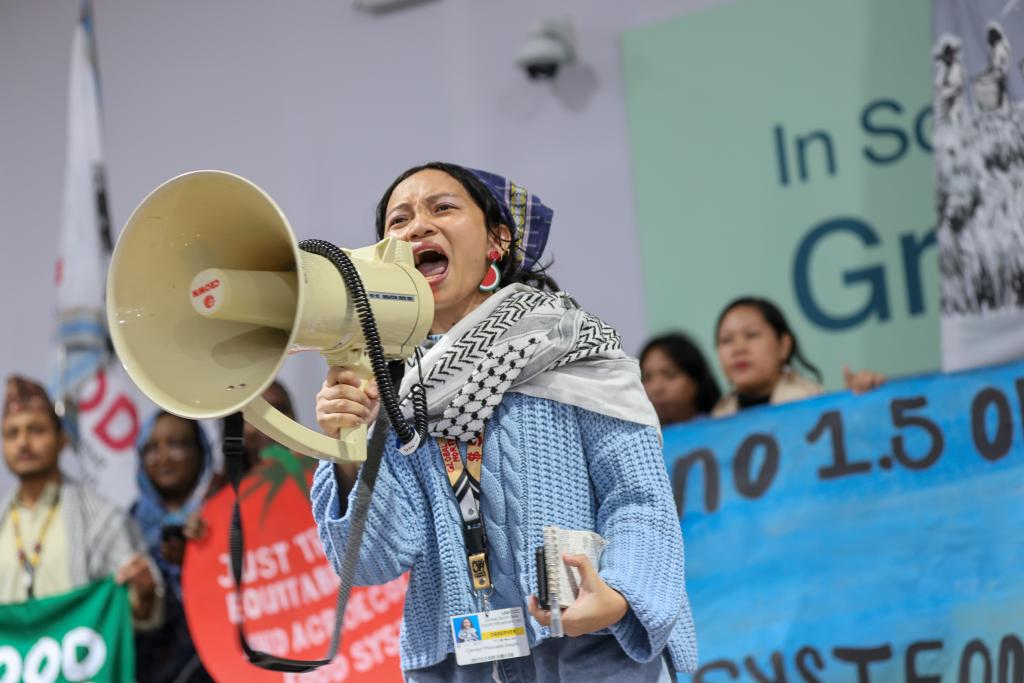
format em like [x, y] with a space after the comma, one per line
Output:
[83, 635]
[783, 149]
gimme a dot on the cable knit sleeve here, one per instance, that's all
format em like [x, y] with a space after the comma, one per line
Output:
[644, 557]
[395, 523]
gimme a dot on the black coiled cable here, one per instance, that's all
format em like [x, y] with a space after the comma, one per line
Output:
[374, 349]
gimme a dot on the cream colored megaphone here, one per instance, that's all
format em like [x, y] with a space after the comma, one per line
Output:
[208, 292]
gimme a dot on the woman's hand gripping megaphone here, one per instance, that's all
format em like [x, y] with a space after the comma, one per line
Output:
[345, 401]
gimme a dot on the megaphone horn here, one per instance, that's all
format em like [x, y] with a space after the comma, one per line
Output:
[208, 292]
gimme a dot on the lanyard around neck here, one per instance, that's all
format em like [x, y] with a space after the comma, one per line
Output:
[465, 483]
[30, 562]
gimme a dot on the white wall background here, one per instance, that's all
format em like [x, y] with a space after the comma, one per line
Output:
[322, 105]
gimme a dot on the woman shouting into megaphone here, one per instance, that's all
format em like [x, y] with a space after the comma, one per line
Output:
[537, 418]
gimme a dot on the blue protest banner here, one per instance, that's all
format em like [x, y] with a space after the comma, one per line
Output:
[870, 539]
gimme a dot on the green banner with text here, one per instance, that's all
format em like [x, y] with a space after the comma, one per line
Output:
[82, 635]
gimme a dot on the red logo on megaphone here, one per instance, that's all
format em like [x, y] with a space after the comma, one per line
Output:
[212, 284]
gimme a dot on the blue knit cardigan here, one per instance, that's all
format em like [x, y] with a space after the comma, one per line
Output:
[545, 463]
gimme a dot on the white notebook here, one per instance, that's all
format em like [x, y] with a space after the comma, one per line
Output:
[564, 581]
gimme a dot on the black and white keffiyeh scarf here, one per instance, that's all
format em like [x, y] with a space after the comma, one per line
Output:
[531, 342]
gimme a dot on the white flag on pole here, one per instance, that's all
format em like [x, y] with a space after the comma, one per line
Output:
[101, 406]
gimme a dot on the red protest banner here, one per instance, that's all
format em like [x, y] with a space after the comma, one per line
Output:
[290, 589]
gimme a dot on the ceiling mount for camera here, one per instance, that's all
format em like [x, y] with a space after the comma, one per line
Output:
[551, 45]
[384, 6]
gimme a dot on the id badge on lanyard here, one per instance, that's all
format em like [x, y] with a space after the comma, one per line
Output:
[489, 635]
[465, 483]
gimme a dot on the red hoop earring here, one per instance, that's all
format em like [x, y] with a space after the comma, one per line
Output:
[493, 277]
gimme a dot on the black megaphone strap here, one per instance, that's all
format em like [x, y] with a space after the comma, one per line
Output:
[234, 456]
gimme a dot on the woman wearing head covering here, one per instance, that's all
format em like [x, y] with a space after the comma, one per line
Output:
[539, 396]
[174, 476]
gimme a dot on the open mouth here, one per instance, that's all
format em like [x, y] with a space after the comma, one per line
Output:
[432, 263]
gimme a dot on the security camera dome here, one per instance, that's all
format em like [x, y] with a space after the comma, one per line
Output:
[551, 45]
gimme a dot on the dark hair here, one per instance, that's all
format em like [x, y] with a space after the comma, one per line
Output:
[773, 316]
[286, 395]
[197, 430]
[508, 266]
[689, 359]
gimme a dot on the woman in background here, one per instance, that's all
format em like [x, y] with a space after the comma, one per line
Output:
[677, 379]
[760, 357]
[174, 477]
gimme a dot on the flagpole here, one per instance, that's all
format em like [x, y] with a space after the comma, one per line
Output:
[88, 19]
[66, 403]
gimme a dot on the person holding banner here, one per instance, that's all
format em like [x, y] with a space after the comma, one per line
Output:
[759, 353]
[54, 534]
[677, 379]
[536, 418]
[174, 477]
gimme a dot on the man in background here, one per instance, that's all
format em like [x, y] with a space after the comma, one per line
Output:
[54, 534]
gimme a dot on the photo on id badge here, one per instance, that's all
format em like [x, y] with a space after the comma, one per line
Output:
[467, 629]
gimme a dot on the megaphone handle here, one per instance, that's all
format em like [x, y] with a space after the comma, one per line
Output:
[350, 447]
[356, 360]
[353, 440]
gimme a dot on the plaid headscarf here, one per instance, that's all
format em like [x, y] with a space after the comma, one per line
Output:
[23, 395]
[524, 213]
